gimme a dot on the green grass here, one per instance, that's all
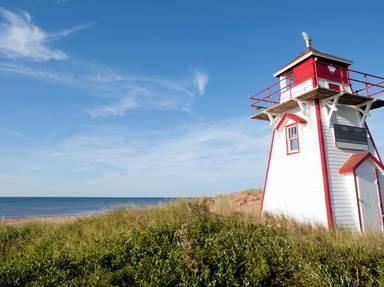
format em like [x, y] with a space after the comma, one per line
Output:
[182, 244]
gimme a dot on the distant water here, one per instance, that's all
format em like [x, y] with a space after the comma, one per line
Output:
[16, 207]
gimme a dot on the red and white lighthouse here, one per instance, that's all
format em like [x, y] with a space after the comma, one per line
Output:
[323, 164]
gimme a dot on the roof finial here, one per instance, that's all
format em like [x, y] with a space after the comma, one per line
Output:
[307, 39]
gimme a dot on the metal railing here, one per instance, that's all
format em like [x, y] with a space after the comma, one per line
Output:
[352, 81]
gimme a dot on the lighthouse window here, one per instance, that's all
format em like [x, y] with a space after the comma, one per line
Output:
[289, 80]
[292, 139]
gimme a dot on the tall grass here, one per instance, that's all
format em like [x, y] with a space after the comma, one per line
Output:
[184, 244]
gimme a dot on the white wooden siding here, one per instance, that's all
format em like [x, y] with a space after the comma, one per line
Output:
[381, 177]
[295, 183]
[324, 83]
[295, 91]
[343, 199]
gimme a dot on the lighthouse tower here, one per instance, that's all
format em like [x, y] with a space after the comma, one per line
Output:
[323, 166]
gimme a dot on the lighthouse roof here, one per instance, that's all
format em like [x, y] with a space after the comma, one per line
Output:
[310, 52]
[289, 116]
[355, 160]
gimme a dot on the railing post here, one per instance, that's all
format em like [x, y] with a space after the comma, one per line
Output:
[342, 79]
[366, 84]
[315, 76]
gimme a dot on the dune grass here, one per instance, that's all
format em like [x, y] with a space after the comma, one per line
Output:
[185, 244]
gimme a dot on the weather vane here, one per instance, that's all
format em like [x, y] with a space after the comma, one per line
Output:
[307, 39]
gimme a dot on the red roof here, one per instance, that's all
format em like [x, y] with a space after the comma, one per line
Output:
[292, 117]
[355, 160]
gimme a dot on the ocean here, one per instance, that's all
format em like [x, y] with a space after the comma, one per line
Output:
[21, 207]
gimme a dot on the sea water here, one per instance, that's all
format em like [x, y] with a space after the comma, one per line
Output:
[19, 207]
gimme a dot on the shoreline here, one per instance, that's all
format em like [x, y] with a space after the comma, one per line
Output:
[68, 209]
[246, 202]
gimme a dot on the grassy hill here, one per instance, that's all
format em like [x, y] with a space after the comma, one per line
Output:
[201, 242]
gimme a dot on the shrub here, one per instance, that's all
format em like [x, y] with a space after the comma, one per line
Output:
[182, 244]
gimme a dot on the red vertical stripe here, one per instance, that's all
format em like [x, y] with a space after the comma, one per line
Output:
[266, 175]
[373, 143]
[324, 166]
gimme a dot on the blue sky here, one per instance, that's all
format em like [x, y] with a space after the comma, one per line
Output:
[150, 98]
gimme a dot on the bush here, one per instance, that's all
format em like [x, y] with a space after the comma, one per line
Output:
[183, 245]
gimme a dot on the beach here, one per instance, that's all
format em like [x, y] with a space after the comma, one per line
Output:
[246, 202]
[17, 210]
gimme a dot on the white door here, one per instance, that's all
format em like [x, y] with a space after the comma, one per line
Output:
[369, 197]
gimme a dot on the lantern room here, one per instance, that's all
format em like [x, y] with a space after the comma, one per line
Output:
[316, 75]
[310, 69]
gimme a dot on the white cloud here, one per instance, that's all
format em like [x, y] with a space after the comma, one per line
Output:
[186, 160]
[128, 92]
[115, 109]
[117, 93]
[67, 32]
[201, 80]
[37, 73]
[20, 37]
[201, 148]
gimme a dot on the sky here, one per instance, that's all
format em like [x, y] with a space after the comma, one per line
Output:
[151, 98]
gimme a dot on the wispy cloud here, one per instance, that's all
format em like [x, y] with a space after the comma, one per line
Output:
[67, 32]
[201, 80]
[37, 73]
[197, 158]
[20, 37]
[198, 147]
[186, 160]
[116, 109]
[116, 94]
[126, 92]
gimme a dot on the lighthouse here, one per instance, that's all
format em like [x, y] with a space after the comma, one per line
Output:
[323, 166]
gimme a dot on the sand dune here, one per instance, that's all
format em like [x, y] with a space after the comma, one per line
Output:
[246, 202]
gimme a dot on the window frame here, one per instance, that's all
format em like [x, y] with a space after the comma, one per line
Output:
[287, 140]
[287, 81]
[290, 80]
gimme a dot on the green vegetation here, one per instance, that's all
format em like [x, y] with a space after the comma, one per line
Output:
[184, 244]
